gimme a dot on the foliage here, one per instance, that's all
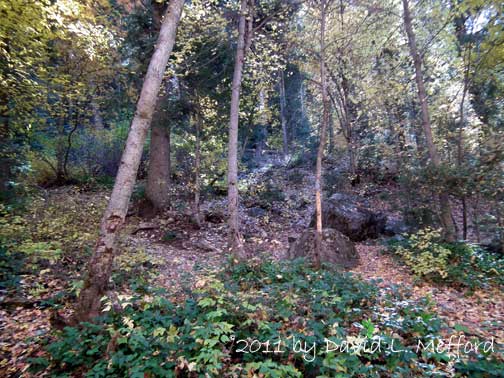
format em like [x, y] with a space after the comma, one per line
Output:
[457, 264]
[424, 255]
[233, 312]
[51, 235]
[269, 193]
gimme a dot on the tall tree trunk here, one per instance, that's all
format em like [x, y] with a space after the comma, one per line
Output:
[159, 169]
[444, 199]
[460, 140]
[158, 176]
[460, 158]
[323, 132]
[60, 151]
[283, 117]
[235, 238]
[197, 164]
[100, 265]
[332, 141]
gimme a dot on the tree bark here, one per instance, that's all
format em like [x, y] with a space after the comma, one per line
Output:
[460, 158]
[100, 265]
[446, 213]
[158, 176]
[332, 141]
[323, 132]
[283, 117]
[460, 139]
[197, 164]
[235, 238]
[61, 143]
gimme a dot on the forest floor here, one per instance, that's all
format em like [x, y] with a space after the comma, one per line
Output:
[182, 253]
[480, 312]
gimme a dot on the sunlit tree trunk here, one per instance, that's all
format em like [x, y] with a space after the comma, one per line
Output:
[466, 58]
[323, 132]
[283, 117]
[100, 265]
[460, 153]
[235, 238]
[446, 214]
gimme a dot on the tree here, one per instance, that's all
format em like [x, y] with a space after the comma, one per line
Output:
[100, 265]
[198, 123]
[283, 117]
[446, 214]
[158, 175]
[324, 9]
[243, 44]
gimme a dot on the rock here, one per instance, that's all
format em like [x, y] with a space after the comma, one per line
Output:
[145, 226]
[351, 217]
[336, 248]
[256, 212]
[146, 209]
[494, 246]
[395, 227]
[215, 216]
[204, 245]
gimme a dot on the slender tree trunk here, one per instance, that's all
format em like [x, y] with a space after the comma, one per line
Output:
[60, 149]
[60, 159]
[323, 132]
[331, 133]
[235, 238]
[460, 144]
[444, 199]
[283, 117]
[197, 164]
[100, 265]
[158, 176]
[69, 141]
[351, 153]
[460, 157]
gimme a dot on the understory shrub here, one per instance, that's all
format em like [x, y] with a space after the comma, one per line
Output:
[50, 236]
[457, 264]
[260, 320]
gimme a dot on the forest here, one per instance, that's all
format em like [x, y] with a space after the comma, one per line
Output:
[252, 188]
